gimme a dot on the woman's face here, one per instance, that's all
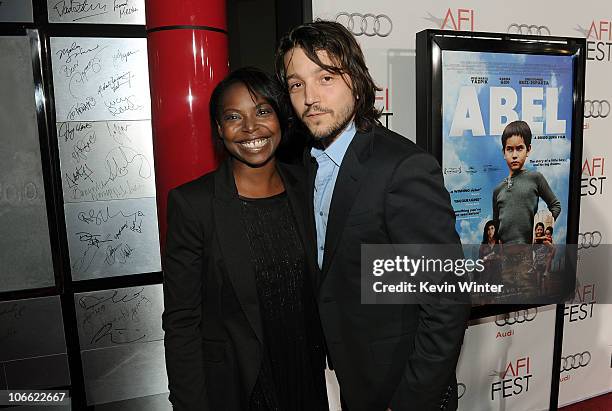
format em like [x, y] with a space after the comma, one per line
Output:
[491, 232]
[248, 126]
[539, 231]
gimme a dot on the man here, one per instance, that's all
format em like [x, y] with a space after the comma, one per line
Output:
[369, 185]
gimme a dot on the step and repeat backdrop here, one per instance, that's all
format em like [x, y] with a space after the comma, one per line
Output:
[506, 361]
[77, 156]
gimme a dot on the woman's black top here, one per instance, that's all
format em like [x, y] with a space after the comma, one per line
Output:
[291, 377]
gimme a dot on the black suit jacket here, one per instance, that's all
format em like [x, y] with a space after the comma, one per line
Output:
[387, 191]
[212, 323]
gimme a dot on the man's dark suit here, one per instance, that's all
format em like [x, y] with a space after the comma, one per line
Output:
[212, 322]
[388, 191]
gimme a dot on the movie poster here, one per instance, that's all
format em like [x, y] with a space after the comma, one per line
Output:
[483, 93]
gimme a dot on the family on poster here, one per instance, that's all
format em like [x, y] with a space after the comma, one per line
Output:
[506, 152]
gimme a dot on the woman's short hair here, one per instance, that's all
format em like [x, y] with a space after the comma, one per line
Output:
[258, 83]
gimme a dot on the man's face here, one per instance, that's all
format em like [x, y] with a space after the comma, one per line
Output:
[323, 101]
[516, 153]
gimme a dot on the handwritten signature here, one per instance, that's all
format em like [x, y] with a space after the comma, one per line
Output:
[119, 253]
[115, 83]
[67, 130]
[122, 57]
[82, 172]
[120, 105]
[119, 159]
[117, 296]
[119, 132]
[81, 107]
[79, 78]
[73, 51]
[83, 146]
[103, 215]
[83, 9]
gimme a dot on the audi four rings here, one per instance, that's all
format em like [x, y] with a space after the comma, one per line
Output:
[366, 24]
[596, 108]
[530, 29]
[589, 240]
[573, 362]
[516, 317]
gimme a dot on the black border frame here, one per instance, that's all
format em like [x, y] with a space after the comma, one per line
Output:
[431, 43]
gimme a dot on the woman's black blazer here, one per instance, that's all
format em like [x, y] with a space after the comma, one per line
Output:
[212, 323]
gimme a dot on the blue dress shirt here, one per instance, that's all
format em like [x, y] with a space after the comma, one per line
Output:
[329, 161]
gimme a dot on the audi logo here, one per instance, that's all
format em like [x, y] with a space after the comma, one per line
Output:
[461, 389]
[366, 24]
[589, 240]
[596, 108]
[516, 317]
[573, 362]
[530, 29]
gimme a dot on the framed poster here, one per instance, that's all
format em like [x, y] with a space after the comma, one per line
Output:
[503, 115]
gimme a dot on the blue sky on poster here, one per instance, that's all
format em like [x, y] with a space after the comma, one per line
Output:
[477, 152]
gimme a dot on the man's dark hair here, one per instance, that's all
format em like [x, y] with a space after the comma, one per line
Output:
[346, 56]
[517, 128]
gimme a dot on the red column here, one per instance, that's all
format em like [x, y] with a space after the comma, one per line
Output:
[188, 56]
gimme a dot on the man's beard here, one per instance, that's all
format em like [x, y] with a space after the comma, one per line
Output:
[328, 135]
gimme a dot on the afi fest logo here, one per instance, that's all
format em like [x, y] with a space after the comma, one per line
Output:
[512, 319]
[383, 97]
[599, 40]
[514, 380]
[582, 307]
[454, 19]
[593, 176]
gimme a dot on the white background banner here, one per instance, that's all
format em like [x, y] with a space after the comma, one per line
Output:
[493, 354]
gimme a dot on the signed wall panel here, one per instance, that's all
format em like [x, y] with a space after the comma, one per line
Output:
[100, 78]
[23, 215]
[103, 108]
[121, 342]
[124, 372]
[111, 318]
[100, 12]
[16, 11]
[32, 344]
[157, 402]
[106, 160]
[110, 238]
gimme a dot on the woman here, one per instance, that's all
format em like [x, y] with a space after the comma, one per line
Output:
[491, 253]
[241, 326]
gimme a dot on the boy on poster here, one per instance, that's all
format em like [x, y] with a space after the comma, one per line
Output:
[515, 199]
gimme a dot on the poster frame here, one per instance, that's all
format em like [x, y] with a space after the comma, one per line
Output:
[429, 91]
